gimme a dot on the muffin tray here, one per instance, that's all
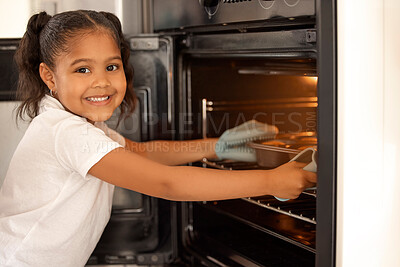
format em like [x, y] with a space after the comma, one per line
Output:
[283, 148]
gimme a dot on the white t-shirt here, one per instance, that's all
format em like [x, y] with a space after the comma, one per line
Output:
[52, 212]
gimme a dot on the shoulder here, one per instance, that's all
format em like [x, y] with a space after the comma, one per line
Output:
[79, 145]
[64, 129]
[77, 127]
[53, 114]
[114, 135]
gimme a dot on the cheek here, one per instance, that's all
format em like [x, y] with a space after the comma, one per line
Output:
[122, 92]
[70, 92]
[67, 84]
[121, 84]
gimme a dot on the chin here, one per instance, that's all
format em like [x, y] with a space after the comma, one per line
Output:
[99, 118]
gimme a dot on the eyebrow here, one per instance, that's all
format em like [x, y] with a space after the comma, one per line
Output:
[79, 60]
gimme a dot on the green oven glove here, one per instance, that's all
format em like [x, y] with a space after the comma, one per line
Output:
[232, 143]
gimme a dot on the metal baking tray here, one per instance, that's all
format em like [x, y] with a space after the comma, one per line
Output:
[283, 148]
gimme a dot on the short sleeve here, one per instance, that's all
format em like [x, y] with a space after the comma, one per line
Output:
[111, 133]
[79, 145]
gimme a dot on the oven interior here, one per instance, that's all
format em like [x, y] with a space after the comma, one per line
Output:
[223, 91]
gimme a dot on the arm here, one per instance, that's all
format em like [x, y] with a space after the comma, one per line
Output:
[174, 152]
[132, 171]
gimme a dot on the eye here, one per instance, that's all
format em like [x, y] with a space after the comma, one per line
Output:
[112, 68]
[83, 70]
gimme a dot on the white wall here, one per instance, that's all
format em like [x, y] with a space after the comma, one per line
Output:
[128, 11]
[391, 146]
[57, 6]
[14, 16]
[368, 133]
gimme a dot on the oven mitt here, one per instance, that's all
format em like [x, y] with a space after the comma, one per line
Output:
[232, 143]
[238, 153]
[308, 155]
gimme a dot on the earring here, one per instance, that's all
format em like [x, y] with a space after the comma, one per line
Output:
[51, 93]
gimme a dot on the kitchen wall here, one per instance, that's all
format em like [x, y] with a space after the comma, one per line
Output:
[128, 11]
[15, 14]
[368, 213]
[13, 17]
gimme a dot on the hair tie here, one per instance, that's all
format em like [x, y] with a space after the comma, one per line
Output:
[38, 22]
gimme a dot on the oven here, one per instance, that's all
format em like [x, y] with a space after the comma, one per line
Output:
[231, 78]
[211, 65]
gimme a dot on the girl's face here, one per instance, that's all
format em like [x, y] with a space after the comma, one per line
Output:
[89, 79]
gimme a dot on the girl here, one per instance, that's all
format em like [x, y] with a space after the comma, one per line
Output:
[56, 197]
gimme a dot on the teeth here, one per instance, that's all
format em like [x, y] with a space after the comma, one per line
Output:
[97, 99]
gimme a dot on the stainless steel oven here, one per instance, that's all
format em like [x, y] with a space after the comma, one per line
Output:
[209, 66]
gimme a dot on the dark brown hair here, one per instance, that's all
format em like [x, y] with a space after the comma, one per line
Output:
[46, 37]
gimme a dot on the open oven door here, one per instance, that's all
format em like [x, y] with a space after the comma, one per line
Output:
[142, 229]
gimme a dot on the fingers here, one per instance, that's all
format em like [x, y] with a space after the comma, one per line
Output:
[297, 164]
[311, 177]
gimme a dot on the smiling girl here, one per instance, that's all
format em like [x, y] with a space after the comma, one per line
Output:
[56, 197]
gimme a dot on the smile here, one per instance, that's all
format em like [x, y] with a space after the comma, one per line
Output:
[97, 99]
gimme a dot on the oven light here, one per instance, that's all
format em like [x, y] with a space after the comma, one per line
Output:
[287, 72]
[312, 78]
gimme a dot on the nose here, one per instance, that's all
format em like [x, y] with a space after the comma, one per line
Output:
[101, 81]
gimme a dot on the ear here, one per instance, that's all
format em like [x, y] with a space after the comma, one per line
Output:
[47, 76]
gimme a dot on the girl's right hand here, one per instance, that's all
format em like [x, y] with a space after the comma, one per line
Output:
[289, 180]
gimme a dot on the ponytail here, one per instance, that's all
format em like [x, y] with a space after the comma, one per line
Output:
[30, 89]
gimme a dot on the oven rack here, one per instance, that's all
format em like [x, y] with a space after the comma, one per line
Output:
[284, 209]
[293, 208]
